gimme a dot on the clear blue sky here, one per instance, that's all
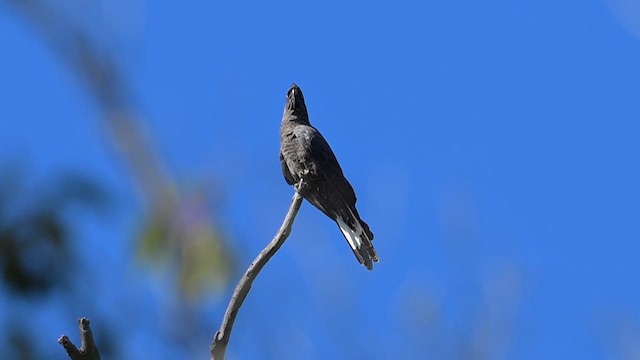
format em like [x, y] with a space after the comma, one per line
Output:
[485, 140]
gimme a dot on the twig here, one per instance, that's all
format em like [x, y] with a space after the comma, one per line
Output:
[88, 349]
[221, 339]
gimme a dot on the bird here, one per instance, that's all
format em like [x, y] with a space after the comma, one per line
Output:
[309, 164]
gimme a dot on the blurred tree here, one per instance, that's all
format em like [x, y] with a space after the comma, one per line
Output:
[177, 222]
[178, 231]
[33, 226]
[37, 254]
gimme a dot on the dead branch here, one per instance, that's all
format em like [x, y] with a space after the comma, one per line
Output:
[88, 349]
[221, 339]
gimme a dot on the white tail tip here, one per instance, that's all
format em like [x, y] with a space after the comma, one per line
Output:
[352, 238]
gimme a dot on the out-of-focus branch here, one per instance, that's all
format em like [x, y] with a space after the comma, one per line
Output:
[172, 222]
[168, 206]
[98, 71]
[221, 339]
[88, 349]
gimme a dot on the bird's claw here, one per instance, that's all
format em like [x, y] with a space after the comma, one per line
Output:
[302, 175]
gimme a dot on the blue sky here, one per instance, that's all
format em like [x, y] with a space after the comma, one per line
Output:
[484, 140]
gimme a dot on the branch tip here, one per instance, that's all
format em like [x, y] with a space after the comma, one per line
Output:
[88, 349]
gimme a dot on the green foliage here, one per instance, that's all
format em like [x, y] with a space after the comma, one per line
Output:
[181, 235]
[205, 263]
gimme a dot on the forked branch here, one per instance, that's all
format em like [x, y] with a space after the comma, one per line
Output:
[88, 349]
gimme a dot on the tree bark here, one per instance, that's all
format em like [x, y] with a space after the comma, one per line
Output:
[221, 338]
[88, 349]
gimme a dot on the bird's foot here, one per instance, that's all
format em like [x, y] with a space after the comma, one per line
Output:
[300, 185]
[303, 173]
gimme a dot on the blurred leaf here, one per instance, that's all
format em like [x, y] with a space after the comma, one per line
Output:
[33, 253]
[182, 235]
[34, 234]
[205, 263]
[153, 244]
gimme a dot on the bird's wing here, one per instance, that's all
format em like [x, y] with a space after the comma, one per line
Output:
[328, 167]
[342, 199]
[333, 195]
[285, 170]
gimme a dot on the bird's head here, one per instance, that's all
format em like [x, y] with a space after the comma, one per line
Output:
[295, 103]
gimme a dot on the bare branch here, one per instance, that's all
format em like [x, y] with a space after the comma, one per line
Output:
[88, 349]
[221, 339]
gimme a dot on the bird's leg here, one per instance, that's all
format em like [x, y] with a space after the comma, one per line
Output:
[301, 184]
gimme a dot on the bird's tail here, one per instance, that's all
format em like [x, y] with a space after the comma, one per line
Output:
[359, 238]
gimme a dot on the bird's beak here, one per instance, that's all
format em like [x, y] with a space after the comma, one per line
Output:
[294, 96]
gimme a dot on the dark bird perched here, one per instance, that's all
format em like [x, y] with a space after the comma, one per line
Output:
[308, 161]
